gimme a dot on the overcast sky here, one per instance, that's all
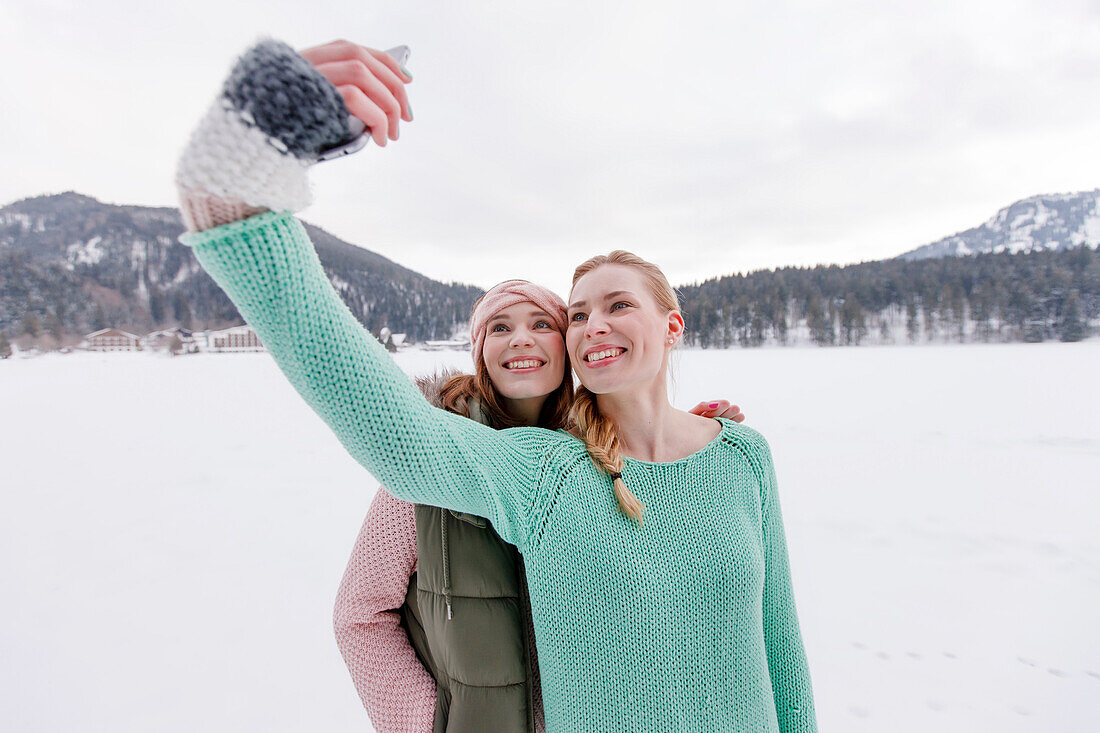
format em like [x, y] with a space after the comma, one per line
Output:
[709, 137]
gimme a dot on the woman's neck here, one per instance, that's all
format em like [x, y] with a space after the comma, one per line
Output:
[650, 428]
[526, 411]
[642, 420]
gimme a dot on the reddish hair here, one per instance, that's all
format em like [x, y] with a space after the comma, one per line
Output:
[459, 390]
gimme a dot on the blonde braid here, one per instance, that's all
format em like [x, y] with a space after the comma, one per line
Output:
[602, 440]
[600, 433]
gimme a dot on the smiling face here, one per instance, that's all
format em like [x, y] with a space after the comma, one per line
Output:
[523, 352]
[618, 335]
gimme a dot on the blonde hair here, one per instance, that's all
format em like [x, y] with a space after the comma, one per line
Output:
[599, 432]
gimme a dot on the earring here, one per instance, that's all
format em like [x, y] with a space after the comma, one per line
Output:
[672, 341]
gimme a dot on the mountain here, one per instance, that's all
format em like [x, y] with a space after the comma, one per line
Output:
[76, 264]
[1049, 222]
[70, 264]
[1021, 276]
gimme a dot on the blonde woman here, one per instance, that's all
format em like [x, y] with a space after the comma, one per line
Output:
[652, 539]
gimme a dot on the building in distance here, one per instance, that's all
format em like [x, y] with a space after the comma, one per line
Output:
[112, 339]
[235, 339]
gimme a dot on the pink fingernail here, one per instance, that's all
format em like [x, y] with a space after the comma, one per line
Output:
[714, 404]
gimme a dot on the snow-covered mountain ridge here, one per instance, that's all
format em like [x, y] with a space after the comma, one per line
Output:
[85, 265]
[1045, 222]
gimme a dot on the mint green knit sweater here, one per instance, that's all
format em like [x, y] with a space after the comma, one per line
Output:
[686, 623]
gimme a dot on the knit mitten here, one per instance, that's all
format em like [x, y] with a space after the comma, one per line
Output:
[252, 150]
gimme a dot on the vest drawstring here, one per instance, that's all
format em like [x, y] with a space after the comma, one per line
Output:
[446, 562]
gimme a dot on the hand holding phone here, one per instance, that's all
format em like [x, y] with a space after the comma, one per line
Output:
[376, 99]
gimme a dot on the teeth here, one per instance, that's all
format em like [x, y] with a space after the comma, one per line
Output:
[604, 354]
[524, 364]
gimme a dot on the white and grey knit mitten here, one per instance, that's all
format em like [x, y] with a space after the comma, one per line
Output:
[253, 148]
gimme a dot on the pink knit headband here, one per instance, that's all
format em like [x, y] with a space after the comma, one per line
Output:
[505, 295]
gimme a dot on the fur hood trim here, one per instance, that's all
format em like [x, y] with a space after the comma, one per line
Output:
[431, 385]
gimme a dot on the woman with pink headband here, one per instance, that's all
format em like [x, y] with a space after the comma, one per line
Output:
[424, 583]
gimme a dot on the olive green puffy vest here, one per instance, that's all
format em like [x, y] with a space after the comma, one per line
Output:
[466, 612]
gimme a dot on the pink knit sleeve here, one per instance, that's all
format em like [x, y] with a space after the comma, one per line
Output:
[396, 689]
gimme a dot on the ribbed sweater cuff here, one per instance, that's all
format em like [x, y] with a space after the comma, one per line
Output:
[202, 210]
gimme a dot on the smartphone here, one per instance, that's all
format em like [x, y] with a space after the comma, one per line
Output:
[360, 134]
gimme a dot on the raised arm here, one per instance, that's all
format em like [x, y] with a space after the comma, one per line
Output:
[255, 146]
[397, 691]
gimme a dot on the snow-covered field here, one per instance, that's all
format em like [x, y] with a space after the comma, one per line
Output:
[172, 533]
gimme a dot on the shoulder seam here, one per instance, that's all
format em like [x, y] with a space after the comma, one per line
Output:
[555, 482]
[751, 445]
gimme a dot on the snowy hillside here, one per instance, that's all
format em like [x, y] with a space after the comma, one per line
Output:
[173, 531]
[1049, 222]
[89, 265]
